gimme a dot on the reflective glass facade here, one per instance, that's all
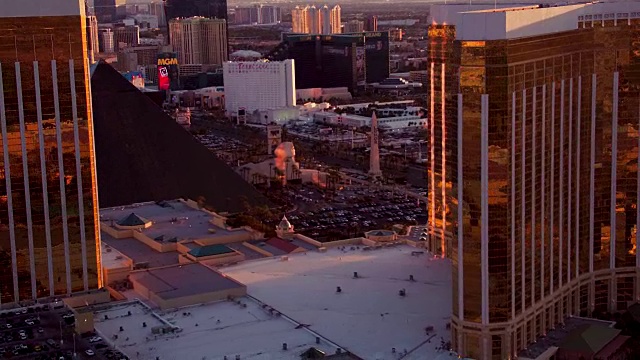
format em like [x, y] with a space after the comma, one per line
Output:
[49, 236]
[533, 178]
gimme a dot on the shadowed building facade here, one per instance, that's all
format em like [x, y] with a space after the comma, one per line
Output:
[533, 173]
[49, 240]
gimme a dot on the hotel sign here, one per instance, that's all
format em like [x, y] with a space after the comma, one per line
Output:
[167, 61]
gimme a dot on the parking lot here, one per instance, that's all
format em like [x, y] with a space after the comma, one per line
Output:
[44, 333]
[351, 211]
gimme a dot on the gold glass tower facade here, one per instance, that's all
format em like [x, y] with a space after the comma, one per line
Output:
[533, 173]
[49, 235]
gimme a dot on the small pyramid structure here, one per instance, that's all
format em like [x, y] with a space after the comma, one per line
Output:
[133, 220]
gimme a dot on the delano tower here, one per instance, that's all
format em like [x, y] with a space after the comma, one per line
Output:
[49, 241]
[533, 173]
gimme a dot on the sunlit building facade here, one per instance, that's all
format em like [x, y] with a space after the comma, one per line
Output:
[533, 174]
[49, 236]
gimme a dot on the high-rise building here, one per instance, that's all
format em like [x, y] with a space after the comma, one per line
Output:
[340, 60]
[533, 174]
[354, 26]
[257, 14]
[311, 20]
[199, 40]
[269, 14]
[299, 20]
[336, 20]
[325, 16]
[191, 8]
[125, 36]
[157, 8]
[109, 11]
[371, 23]
[107, 41]
[49, 235]
[92, 38]
[259, 85]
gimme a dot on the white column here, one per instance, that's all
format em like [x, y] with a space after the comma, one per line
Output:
[7, 174]
[513, 204]
[592, 191]
[43, 173]
[552, 188]
[25, 177]
[63, 192]
[578, 151]
[534, 240]
[523, 196]
[614, 169]
[484, 206]
[76, 139]
[443, 179]
[561, 166]
[460, 212]
[542, 194]
[592, 172]
[570, 181]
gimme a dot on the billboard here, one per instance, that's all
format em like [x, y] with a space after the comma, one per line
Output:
[167, 71]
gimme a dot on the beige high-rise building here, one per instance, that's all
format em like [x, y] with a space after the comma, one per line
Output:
[533, 174]
[199, 40]
[299, 20]
[311, 20]
[336, 20]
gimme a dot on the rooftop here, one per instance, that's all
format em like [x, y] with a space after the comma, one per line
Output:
[561, 334]
[209, 250]
[183, 280]
[359, 317]
[209, 331]
[112, 258]
[138, 252]
[282, 244]
[509, 21]
[171, 220]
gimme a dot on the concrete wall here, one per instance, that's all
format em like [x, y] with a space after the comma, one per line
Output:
[308, 240]
[217, 260]
[84, 322]
[345, 242]
[116, 274]
[89, 298]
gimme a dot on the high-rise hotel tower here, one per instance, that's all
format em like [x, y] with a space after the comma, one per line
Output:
[49, 241]
[533, 173]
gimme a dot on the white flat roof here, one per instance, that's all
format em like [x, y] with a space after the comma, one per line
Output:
[478, 23]
[26, 8]
[368, 317]
[210, 331]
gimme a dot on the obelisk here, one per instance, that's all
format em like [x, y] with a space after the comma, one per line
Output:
[374, 153]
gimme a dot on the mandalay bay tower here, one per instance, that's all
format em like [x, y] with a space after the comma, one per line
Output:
[533, 173]
[49, 241]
